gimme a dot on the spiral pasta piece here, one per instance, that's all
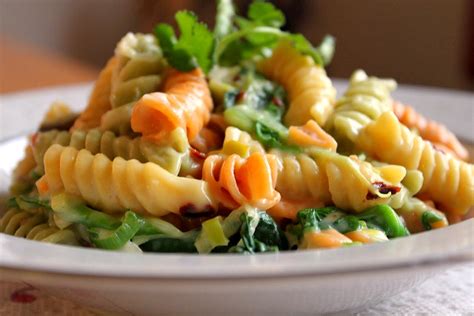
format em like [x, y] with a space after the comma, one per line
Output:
[211, 136]
[99, 101]
[447, 180]
[310, 91]
[21, 223]
[430, 130]
[364, 101]
[237, 181]
[168, 153]
[186, 103]
[311, 134]
[321, 177]
[114, 186]
[139, 69]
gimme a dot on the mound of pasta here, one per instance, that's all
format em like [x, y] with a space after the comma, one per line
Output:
[233, 140]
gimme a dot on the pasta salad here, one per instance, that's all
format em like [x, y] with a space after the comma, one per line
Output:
[232, 140]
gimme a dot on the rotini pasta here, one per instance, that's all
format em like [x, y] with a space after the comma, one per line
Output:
[32, 226]
[99, 101]
[447, 180]
[186, 103]
[430, 130]
[323, 177]
[311, 93]
[114, 186]
[309, 135]
[139, 68]
[237, 181]
[364, 101]
[168, 153]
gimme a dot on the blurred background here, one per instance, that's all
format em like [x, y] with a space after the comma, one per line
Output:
[425, 42]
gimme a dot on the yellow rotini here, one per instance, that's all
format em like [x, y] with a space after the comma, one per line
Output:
[447, 180]
[34, 226]
[364, 101]
[310, 91]
[322, 177]
[118, 185]
[21, 178]
[168, 153]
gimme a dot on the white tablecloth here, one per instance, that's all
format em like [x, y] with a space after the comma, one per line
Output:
[449, 293]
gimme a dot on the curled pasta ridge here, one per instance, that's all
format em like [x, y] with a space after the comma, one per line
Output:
[168, 153]
[31, 226]
[186, 102]
[310, 91]
[237, 181]
[430, 130]
[322, 177]
[447, 180]
[364, 101]
[114, 186]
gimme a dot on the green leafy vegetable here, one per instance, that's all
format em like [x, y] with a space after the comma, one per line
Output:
[195, 45]
[269, 233]
[384, 217]
[265, 13]
[116, 239]
[429, 217]
[72, 209]
[184, 244]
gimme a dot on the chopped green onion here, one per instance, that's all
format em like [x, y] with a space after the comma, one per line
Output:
[116, 239]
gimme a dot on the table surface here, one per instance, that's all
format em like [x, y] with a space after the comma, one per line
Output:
[23, 66]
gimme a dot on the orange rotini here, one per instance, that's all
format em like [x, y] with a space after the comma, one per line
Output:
[311, 134]
[99, 101]
[236, 181]
[430, 130]
[186, 102]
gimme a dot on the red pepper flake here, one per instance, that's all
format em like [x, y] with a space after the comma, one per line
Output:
[21, 296]
[277, 101]
[196, 154]
[382, 188]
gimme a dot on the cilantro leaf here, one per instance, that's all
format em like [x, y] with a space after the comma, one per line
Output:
[166, 37]
[194, 47]
[265, 13]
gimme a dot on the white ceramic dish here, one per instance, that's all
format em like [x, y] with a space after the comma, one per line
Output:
[308, 282]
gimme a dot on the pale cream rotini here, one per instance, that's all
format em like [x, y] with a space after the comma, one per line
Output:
[118, 185]
[365, 100]
[139, 70]
[310, 91]
[447, 180]
[168, 153]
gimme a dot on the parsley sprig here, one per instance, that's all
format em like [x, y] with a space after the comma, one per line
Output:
[235, 38]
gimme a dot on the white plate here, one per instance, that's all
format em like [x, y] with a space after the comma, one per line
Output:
[284, 283]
